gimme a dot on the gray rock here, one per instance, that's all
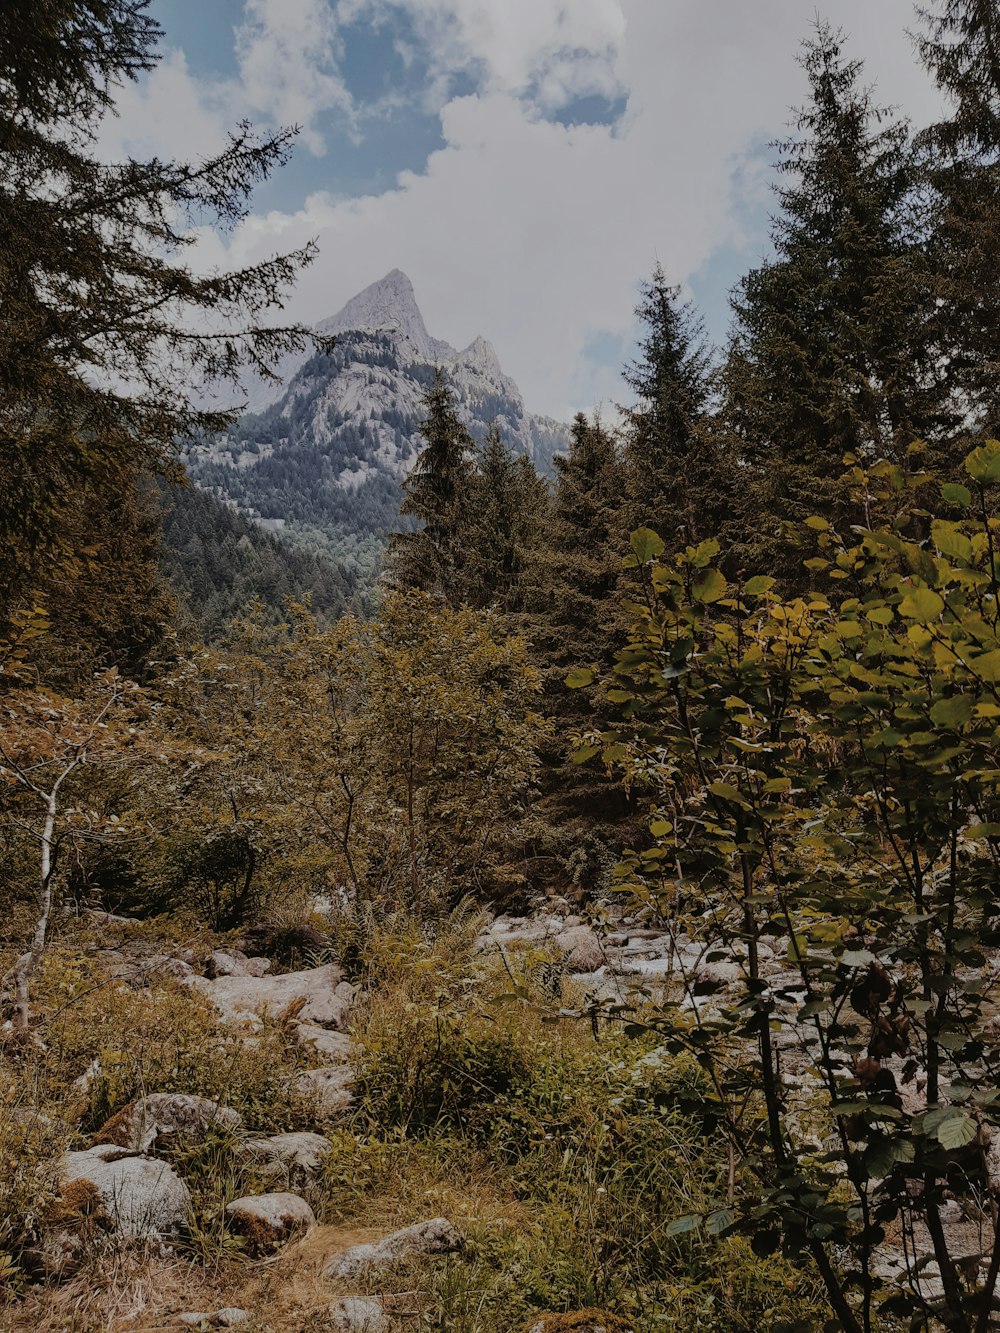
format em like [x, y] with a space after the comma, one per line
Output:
[143, 1199]
[580, 948]
[230, 1317]
[437, 1236]
[710, 977]
[357, 1314]
[235, 963]
[296, 1156]
[268, 1220]
[318, 995]
[595, 1325]
[167, 965]
[330, 1089]
[332, 1047]
[160, 1116]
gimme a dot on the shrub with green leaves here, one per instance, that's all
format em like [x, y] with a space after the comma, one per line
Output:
[823, 776]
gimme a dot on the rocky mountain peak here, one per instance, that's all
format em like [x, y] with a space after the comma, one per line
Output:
[389, 305]
[481, 356]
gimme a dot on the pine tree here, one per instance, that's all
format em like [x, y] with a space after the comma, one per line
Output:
[961, 48]
[573, 621]
[834, 350]
[437, 494]
[102, 327]
[676, 476]
[509, 502]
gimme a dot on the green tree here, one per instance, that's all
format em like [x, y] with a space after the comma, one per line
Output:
[821, 782]
[102, 327]
[677, 478]
[961, 48]
[834, 349]
[509, 503]
[573, 620]
[436, 494]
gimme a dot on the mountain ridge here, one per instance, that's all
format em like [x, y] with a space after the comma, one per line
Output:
[324, 454]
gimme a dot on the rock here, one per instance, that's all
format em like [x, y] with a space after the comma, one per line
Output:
[357, 1314]
[333, 1047]
[230, 1317]
[331, 1089]
[580, 948]
[711, 977]
[295, 1156]
[59, 1254]
[141, 1198]
[584, 1321]
[437, 1236]
[101, 918]
[144, 1123]
[234, 963]
[268, 1220]
[318, 995]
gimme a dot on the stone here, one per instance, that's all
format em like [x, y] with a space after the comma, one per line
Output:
[296, 1156]
[230, 1317]
[148, 1121]
[141, 1198]
[318, 995]
[580, 948]
[584, 1321]
[711, 977]
[268, 1220]
[235, 963]
[59, 1253]
[165, 965]
[331, 1089]
[357, 1314]
[436, 1236]
[332, 1047]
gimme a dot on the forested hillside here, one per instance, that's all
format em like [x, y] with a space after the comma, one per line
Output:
[217, 563]
[592, 923]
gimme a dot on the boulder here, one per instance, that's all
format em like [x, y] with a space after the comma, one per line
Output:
[230, 1317]
[297, 1157]
[319, 995]
[580, 948]
[167, 965]
[148, 1121]
[332, 1047]
[331, 1090]
[583, 1321]
[141, 1198]
[437, 1236]
[357, 1314]
[234, 963]
[268, 1220]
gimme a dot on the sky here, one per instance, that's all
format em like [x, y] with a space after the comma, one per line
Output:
[525, 162]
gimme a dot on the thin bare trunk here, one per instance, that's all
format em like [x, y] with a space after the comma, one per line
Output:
[26, 964]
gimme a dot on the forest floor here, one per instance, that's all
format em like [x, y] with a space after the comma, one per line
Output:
[207, 1132]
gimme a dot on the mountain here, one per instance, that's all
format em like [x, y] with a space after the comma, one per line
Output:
[322, 455]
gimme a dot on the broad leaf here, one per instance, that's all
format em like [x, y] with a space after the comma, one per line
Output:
[646, 545]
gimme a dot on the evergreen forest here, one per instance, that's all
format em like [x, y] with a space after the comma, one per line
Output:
[577, 910]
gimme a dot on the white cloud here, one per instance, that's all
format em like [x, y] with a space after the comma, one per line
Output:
[289, 53]
[535, 234]
[170, 114]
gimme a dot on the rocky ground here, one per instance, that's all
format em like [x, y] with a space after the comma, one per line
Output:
[120, 1188]
[122, 1184]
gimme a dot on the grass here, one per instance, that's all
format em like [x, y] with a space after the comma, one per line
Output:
[563, 1158]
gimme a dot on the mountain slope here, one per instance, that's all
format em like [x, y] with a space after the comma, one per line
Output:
[324, 454]
[216, 562]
